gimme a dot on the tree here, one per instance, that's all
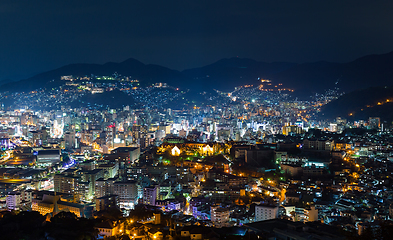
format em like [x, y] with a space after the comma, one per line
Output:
[66, 225]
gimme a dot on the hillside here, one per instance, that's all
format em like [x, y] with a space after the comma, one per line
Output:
[147, 74]
[362, 104]
[306, 79]
[364, 72]
[226, 74]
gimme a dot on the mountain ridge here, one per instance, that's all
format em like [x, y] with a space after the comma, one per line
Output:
[225, 74]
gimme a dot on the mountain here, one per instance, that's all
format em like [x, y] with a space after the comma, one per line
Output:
[368, 71]
[364, 72]
[224, 74]
[146, 73]
[306, 79]
[362, 104]
[228, 73]
[309, 78]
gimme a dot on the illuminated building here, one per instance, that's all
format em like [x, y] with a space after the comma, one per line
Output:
[79, 183]
[127, 191]
[65, 183]
[333, 127]
[207, 150]
[219, 216]
[108, 228]
[106, 202]
[4, 143]
[318, 144]
[104, 187]
[312, 214]
[57, 129]
[175, 151]
[69, 138]
[265, 212]
[291, 129]
[16, 200]
[165, 128]
[374, 122]
[54, 204]
[138, 132]
[48, 157]
[133, 153]
[150, 195]
[97, 90]
[111, 169]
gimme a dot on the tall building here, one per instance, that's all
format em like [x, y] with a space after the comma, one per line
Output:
[65, 183]
[374, 122]
[69, 138]
[312, 214]
[106, 202]
[265, 212]
[150, 195]
[19, 200]
[127, 192]
[80, 184]
[219, 216]
[104, 187]
[110, 169]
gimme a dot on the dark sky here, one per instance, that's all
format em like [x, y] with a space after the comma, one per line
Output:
[39, 35]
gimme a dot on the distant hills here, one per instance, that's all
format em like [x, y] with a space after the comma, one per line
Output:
[306, 79]
[147, 73]
[362, 104]
[228, 73]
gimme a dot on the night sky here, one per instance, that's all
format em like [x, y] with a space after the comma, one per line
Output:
[39, 35]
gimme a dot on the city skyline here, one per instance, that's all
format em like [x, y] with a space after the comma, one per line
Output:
[102, 136]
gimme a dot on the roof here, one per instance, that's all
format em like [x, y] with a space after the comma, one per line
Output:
[49, 152]
[106, 224]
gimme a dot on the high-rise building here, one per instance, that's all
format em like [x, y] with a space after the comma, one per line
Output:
[19, 200]
[150, 195]
[106, 202]
[104, 187]
[312, 214]
[65, 183]
[265, 212]
[127, 191]
[374, 122]
[69, 138]
[219, 216]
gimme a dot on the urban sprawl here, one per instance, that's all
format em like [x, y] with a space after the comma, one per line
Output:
[253, 163]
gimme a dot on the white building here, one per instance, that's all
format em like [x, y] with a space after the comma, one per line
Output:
[15, 200]
[111, 169]
[265, 212]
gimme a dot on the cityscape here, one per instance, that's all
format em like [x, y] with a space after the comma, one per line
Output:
[242, 161]
[285, 147]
